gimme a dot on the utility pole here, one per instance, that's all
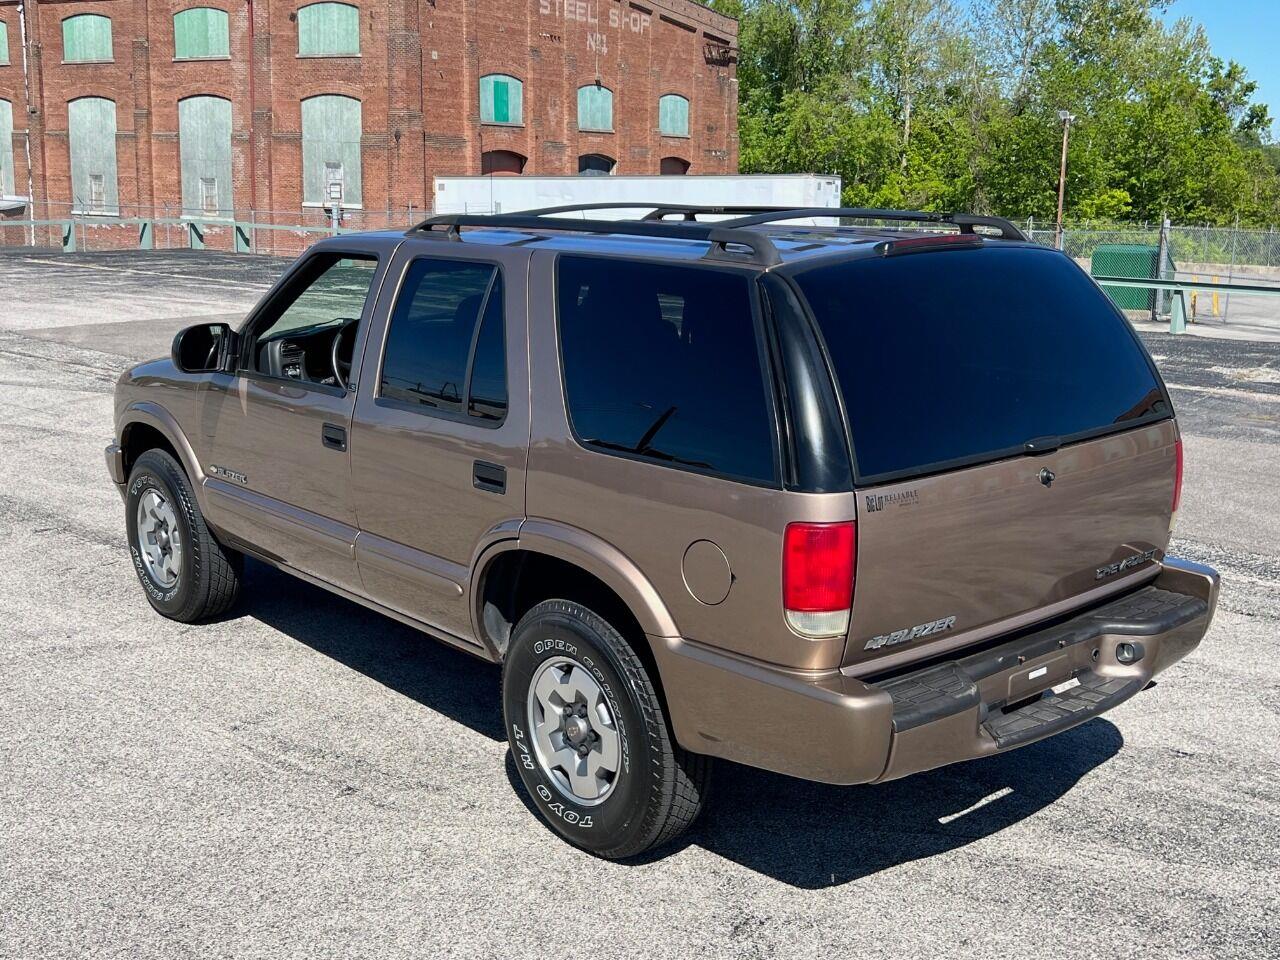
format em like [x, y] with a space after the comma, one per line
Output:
[1066, 117]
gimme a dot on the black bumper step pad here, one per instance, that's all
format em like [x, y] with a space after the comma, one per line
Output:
[1056, 711]
[948, 688]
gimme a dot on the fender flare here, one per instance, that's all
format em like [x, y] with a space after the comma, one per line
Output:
[597, 557]
[157, 417]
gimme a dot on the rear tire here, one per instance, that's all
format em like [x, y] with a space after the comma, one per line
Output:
[186, 574]
[589, 735]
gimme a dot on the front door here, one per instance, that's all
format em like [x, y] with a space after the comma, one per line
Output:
[440, 431]
[276, 430]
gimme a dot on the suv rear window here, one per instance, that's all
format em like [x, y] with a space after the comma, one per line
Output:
[956, 357]
[663, 363]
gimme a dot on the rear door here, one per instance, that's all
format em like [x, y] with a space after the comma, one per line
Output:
[440, 430]
[1014, 448]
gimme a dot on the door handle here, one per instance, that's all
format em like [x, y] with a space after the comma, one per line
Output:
[489, 476]
[333, 436]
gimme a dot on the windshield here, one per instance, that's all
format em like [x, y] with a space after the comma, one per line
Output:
[955, 357]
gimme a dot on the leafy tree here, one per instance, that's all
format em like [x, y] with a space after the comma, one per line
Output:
[935, 105]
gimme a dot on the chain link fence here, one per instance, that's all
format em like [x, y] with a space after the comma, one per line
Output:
[63, 226]
[1226, 255]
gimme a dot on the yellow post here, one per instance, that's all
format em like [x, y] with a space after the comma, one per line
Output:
[1215, 300]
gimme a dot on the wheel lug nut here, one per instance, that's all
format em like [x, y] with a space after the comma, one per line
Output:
[583, 750]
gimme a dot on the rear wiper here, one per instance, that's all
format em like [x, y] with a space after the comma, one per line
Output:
[644, 446]
[647, 451]
[1046, 444]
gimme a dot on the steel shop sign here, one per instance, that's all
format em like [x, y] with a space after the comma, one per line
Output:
[588, 12]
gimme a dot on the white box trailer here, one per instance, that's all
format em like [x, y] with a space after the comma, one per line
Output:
[511, 194]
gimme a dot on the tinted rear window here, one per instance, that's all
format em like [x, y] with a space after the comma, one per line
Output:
[953, 357]
[662, 363]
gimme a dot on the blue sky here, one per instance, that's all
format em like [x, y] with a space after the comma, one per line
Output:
[1243, 30]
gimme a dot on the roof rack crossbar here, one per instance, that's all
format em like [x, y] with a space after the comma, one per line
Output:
[966, 222]
[740, 246]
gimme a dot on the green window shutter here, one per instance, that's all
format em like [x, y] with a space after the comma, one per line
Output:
[204, 144]
[201, 33]
[7, 186]
[4, 43]
[328, 30]
[91, 128]
[86, 38]
[331, 127]
[673, 115]
[501, 99]
[595, 108]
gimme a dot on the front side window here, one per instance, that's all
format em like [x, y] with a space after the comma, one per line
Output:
[329, 30]
[595, 108]
[445, 346]
[501, 99]
[663, 363]
[673, 115]
[331, 130]
[91, 129]
[201, 33]
[86, 38]
[4, 43]
[308, 331]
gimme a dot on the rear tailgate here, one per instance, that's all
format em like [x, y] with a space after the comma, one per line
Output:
[991, 548]
[1014, 448]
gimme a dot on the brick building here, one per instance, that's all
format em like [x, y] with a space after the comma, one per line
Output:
[279, 105]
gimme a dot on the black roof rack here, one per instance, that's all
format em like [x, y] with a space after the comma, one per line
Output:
[965, 221]
[731, 240]
[739, 246]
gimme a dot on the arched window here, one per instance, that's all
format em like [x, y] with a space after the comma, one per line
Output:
[204, 143]
[91, 130]
[596, 165]
[673, 115]
[4, 43]
[501, 163]
[201, 33]
[673, 167]
[501, 99]
[86, 38]
[331, 128]
[7, 185]
[595, 108]
[328, 30]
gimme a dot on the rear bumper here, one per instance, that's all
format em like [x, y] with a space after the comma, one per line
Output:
[839, 729]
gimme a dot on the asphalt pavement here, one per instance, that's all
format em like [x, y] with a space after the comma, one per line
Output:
[304, 778]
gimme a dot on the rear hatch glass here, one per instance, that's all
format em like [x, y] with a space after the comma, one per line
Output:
[950, 363]
[950, 358]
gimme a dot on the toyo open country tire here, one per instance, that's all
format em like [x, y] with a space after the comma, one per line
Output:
[186, 574]
[641, 795]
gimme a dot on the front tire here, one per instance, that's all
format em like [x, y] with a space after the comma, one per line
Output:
[589, 735]
[186, 574]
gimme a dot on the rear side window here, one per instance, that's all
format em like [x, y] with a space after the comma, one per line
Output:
[663, 363]
[961, 356]
[445, 346]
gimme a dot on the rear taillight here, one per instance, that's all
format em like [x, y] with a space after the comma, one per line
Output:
[817, 577]
[1177, 475]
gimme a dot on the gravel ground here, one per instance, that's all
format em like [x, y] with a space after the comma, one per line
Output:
[305, 778]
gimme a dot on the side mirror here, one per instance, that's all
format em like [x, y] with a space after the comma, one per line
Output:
[203, 348]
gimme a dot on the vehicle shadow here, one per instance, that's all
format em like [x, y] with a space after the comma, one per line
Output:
[808, 835]
[813, 835]
[401, 658]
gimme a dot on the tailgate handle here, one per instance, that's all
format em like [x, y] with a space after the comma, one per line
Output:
[333, 436]
[489, 476]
